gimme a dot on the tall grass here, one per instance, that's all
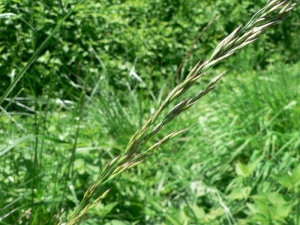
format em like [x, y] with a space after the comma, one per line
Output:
[241, 151]
[271, 14]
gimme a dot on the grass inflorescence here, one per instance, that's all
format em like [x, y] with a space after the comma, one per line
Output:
[76, 149]
[270, 15]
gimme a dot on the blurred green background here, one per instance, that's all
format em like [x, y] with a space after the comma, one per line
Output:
[104, 73]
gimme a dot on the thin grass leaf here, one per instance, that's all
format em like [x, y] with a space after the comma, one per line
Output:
[16, 143]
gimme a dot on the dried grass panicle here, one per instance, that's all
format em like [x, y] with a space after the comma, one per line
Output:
[274, 12]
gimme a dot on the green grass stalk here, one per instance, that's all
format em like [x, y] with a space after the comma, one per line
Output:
[274, 12]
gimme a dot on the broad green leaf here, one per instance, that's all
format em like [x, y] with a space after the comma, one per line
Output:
[289, 181]
[198, 211]
[107, 209]
[239, 193]
[213, 214]
[246, 170]
[269, 207]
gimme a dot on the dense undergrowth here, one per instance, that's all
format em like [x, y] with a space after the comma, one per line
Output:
[80, 103]
[118, 38]
[238, 162]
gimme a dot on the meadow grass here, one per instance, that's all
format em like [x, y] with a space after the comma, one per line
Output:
[240, 149]
[270, 15]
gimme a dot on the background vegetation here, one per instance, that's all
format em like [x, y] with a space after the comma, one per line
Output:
[105, 72]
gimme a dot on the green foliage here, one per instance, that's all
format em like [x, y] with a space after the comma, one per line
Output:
[192, 180]
[270, 208]
[237, 164]
[117, 37]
